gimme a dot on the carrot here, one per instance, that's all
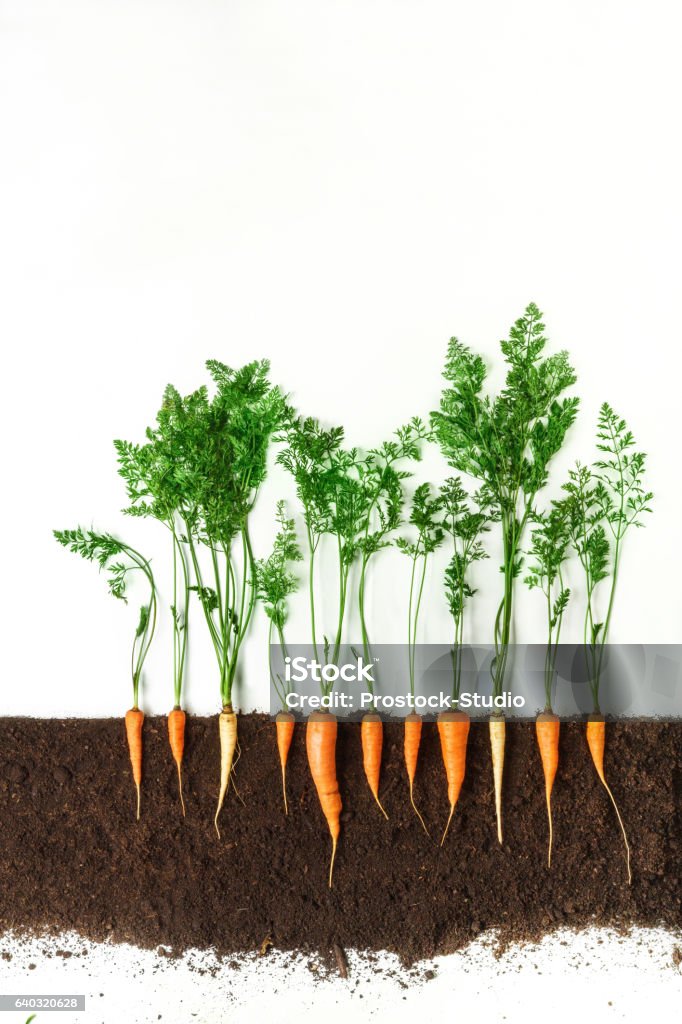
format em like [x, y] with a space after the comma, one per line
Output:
[497, 734]
[321, 749]
[134, 721]
[547, 728]
[372, 736]
[596, 741]
[227, 727]
[176, 737]
[413, 735]
[285, 734]
[453, 729]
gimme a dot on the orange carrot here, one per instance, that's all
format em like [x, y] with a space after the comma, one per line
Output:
[372, 737]
[176, 737]
[497, 730]
[321, 748]
[413, 735]
[596, 741]
[285, 734]
[547, 731]
[134, 720]
[453, 729]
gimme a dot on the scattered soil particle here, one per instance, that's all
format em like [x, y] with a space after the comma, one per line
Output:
[72, 855]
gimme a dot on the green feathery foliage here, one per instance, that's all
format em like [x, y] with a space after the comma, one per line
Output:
[380, 511]
[330, 495]
[275, 584]
[548, 553]
[204, 464]
[120, 561]
[602, 503]
[429, 536]
[506, 442]
[158, 487]
[465, 526]
[353, 498]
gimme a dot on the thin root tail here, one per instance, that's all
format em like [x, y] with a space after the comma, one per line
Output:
[182, 799]
[221, 800]
[379, 805]
[622, 828]
[139, 800]
[331, 863]
[551, 831]
[416, 811]
[284, 789]
[452, 811]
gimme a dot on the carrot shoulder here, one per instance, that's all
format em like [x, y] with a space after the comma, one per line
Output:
[176, 738]
[134, 721]
[321, 749]
[547, 728]
[372, 737]
[453, 729]
[284, 724]
[413, 736]
[596, 741]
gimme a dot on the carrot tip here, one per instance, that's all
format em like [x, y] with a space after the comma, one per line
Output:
[622, 828]
[139, 799]
[284, 790]
[331, 864]
[452, 811]
[182, 799]
[414, 806]
[380, 806]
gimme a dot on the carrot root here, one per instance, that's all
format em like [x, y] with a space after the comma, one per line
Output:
[547, 728]
[284, 724]
[321, 749]
[497, 730]
[413, 735]
[453, 729]
[596, 741]
[372, 737]
[176, 738]
[227, 728]
[134, 721]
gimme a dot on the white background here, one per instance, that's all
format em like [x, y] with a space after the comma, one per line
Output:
[339, 187]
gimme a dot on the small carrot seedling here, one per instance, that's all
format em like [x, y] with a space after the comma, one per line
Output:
[156, 484]
[329, 495]
[548, 553]
[379, 515]
[465, 526]
[603, 502]
[429, 535]
[121, 561]
[275, 583]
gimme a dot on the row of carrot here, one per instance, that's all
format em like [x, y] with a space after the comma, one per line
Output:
[321, 734]
[199, 473]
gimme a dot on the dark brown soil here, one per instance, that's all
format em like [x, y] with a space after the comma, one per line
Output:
[73, 857]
